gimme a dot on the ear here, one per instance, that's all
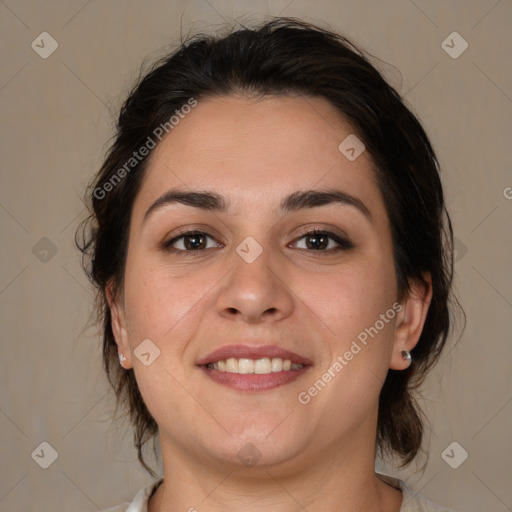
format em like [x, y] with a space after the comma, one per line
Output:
[118, 323]
[410, 320]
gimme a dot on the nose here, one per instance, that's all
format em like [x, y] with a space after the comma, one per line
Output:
[256, 292]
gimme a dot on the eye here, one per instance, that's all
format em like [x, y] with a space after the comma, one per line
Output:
[189, 242]
[322, 241]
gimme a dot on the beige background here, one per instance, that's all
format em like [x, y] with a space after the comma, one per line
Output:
[55, 124]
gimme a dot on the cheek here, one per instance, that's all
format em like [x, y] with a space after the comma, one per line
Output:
[351, 298]
[166, 310]
[357, 306]
[157, 297]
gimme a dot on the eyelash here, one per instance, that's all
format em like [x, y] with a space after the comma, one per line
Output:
[343, 243]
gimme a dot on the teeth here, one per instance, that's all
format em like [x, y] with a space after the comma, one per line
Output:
[245, 366]
[262, 365]
[231, 365]
[277, 364]
[257, 366]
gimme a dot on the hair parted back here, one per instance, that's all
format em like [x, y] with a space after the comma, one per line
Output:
[287, 57]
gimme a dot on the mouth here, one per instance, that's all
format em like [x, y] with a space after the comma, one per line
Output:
[261, 366]
[253, 368]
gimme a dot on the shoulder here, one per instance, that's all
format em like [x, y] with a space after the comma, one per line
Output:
[413, 502]
[118, 508]
[140, 501]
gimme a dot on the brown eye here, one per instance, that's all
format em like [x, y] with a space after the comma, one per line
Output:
[188, 242]
[317, 240]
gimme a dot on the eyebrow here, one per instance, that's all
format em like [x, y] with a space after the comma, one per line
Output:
[301, 199]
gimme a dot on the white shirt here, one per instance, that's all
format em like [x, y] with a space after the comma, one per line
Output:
[411, 502]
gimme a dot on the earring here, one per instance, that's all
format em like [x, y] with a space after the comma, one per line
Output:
[121, 358]
[407, 356]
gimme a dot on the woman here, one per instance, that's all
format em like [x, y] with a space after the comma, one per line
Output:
[273, 255]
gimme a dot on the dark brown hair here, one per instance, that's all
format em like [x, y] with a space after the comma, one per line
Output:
[286, 57]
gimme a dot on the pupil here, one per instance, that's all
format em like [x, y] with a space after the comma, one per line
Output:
[316, 239]
[193, 245]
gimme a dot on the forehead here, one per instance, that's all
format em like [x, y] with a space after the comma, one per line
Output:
[255, 150]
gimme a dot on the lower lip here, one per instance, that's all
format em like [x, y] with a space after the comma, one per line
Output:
[253, 381]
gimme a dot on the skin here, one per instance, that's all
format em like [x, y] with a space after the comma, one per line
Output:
[318, 456]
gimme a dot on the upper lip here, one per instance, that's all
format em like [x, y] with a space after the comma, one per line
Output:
[252, 352]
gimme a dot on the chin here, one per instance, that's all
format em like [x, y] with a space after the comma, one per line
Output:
[253, 450]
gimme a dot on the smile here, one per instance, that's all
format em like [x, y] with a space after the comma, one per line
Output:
[261, 366]
[248, 367]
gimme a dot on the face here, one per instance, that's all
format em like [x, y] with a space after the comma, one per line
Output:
[264, 277]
